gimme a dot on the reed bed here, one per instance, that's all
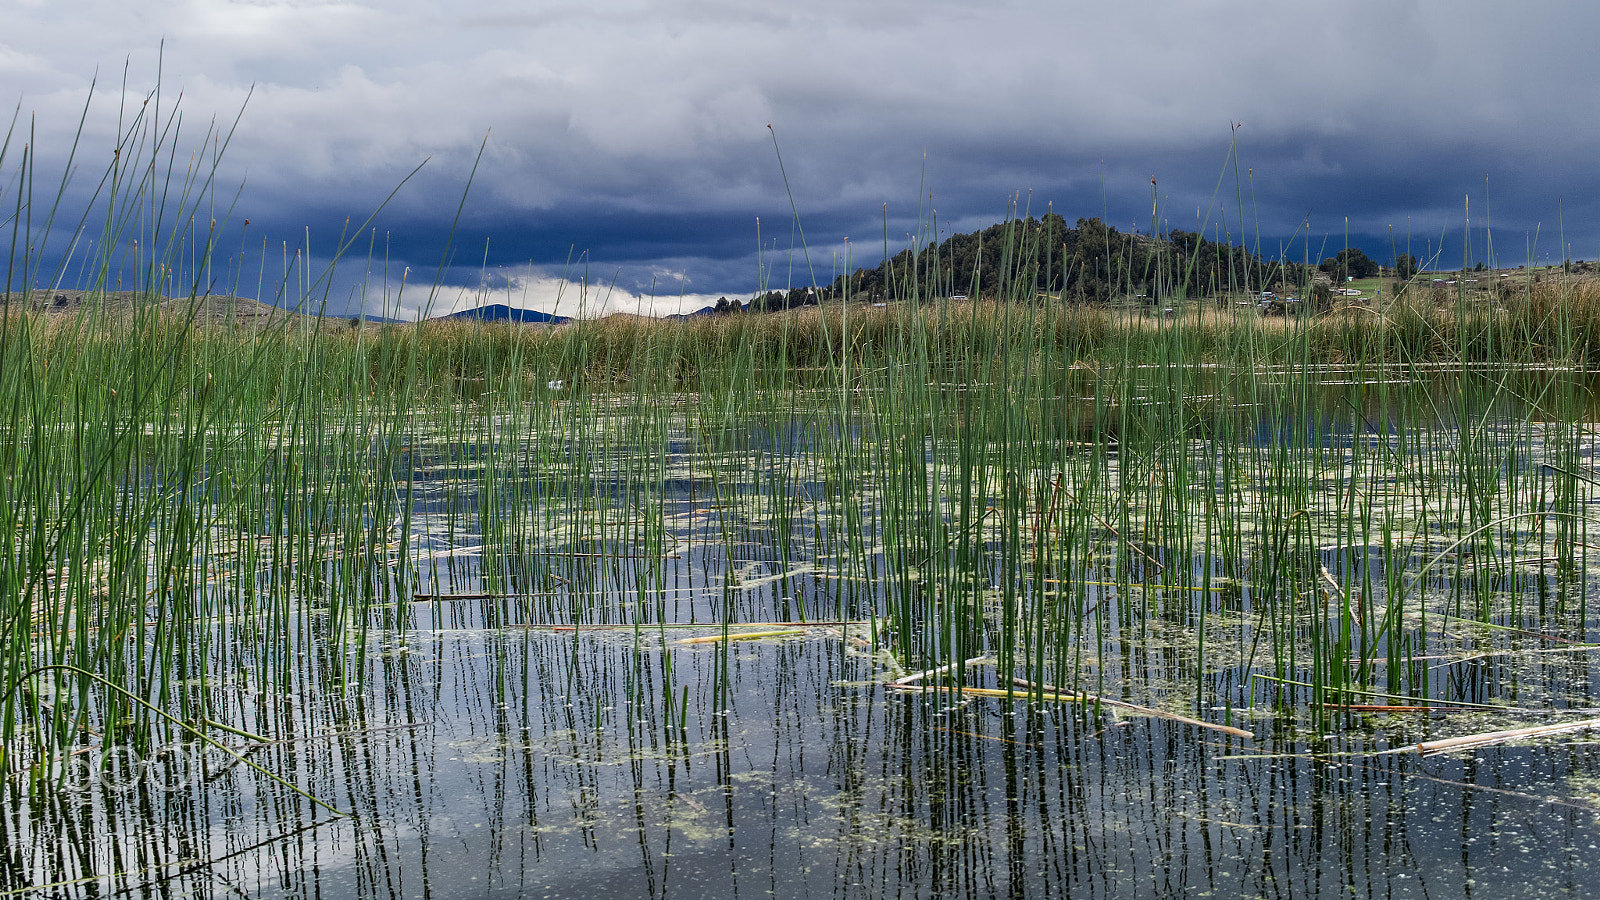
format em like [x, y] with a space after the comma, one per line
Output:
[965, 470]
[1550, 323]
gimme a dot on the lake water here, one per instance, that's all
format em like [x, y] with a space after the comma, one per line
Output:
[476, 745]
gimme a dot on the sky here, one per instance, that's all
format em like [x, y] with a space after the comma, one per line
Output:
[604, 155]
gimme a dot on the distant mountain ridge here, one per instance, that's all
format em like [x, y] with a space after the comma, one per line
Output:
[697, 314]
[500, 312]
[228, 309]
[210, 309]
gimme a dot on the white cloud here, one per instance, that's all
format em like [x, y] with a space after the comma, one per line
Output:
[406, 295]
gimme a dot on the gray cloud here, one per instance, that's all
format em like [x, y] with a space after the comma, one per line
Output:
[641, 127]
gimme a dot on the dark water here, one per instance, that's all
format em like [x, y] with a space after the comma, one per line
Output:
[512, 763]
[473, 750]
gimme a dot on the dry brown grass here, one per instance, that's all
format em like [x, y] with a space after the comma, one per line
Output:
[1552, 320]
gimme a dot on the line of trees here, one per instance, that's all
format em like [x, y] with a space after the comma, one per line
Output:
[1351, 263]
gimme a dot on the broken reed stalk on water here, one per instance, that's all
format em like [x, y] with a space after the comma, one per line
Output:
[1046, 695]
[1496, 738]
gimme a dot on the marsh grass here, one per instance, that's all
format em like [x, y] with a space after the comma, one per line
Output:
[1553, 325]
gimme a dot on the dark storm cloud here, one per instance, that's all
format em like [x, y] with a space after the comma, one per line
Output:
[634, 135]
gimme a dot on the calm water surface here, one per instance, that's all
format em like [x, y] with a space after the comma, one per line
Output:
[478, 747]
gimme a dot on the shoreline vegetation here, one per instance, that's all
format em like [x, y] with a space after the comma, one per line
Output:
[1551, 319]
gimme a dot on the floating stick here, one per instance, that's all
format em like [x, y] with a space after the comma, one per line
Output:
[915, 677]
[744, 636]
[1494, 738]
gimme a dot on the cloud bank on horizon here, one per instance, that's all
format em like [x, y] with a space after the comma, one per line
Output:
[628, 149]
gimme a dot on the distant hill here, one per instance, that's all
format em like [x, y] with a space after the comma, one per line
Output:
[1025, 258]
[500, 312]
[215, 309]
[699, 313]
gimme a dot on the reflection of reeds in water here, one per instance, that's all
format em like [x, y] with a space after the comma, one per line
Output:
[266, 529]
[538, 774]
